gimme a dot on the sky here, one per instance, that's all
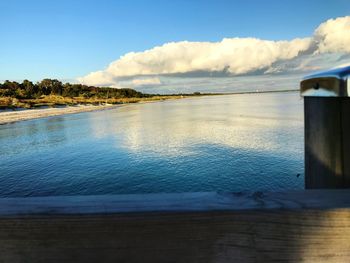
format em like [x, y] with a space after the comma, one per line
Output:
[173, 46]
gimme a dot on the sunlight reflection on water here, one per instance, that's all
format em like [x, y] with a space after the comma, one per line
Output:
[219, 143]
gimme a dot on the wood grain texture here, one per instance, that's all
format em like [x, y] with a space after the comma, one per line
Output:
[346, 140]
[323, 143]
[298, 226]
[327, 142]
[176, 202]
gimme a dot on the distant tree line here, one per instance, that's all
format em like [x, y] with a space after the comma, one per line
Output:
[30, 90]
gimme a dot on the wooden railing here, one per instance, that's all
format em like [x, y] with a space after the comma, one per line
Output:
[295, 226]
[306, 226]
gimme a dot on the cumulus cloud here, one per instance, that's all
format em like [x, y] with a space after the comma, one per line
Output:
[146, 81]
[334, 35]
[231, 56]
[97, 78]
[236, 56]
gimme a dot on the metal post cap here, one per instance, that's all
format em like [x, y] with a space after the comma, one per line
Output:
[332, 83]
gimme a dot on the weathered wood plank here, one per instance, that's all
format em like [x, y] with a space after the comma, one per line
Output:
[345, 114]
[323, 143]
[176, 202]
[308, 226]
[245, 236]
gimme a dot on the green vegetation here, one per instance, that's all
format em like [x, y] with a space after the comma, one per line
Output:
[52, 92]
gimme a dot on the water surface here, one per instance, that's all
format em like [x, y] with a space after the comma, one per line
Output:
[242, 142]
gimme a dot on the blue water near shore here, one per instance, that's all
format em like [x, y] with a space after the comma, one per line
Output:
[247, 142]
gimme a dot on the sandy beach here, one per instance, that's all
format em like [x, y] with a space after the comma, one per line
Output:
[10, 116]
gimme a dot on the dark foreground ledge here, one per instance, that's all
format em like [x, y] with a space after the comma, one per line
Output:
[308, 226]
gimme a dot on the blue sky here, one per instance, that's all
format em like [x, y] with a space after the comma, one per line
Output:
[70, 39]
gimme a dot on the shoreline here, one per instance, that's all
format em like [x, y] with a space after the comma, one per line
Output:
[11, 116]
[16, 115]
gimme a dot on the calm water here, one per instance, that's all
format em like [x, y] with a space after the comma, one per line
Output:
[223, 143]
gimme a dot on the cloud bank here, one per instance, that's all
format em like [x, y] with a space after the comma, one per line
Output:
[334, 35]
[229, 57]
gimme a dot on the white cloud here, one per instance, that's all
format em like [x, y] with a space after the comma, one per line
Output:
[97, 78]
[236, 55]
[146, 81]
[334, 35]
[231, 56]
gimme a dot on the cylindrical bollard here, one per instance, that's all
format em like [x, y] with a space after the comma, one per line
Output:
[327, 129]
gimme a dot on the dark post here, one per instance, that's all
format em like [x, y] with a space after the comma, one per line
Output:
[327, 129]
